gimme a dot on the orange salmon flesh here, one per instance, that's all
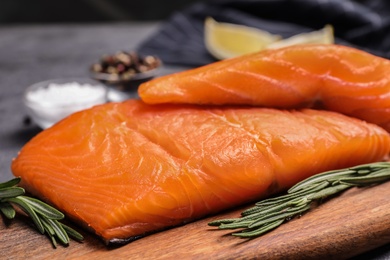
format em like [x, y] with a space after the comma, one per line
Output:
[125, 170]
[335, 77]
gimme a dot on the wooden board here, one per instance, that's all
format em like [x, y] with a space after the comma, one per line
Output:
[350, 224]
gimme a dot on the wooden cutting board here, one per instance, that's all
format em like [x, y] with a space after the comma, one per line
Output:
[354, 222]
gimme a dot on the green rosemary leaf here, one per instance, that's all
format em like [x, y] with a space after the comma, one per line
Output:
[363, 171]
[72, 233]
[366, 180]
[261, 211]
[53, 241]
[248, 233]
[42, 208]
[29, 211]
[274, 209]
[328, 176]
[252, 210]
[328, 191]
[236, 224]
[10, 192]
[371, 166]
[48, 228]
[10, 183]
[222, 221]
[7, 209]
[272, 202]
[286, 197]
[382, 172]
[270, 218]
[59, 231]
[279, 215]
[268, 203]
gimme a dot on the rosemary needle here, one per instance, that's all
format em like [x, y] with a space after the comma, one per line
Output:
[45, 217]
[273, 212]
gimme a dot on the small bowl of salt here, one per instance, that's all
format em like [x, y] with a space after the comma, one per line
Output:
[50, 101]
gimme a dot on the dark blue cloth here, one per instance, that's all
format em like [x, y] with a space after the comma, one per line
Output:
[364, 24]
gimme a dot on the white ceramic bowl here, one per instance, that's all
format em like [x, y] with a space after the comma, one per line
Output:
[50, 101]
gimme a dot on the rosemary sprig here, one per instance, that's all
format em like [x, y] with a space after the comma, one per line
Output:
[273, 212]
[45, 217]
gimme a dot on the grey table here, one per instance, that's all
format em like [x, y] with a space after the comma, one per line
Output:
[29, 54]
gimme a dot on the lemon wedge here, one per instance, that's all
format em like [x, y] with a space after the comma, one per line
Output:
[227, 40]
[323, 36]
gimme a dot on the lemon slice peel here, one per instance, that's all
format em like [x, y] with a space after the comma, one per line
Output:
[322, 36]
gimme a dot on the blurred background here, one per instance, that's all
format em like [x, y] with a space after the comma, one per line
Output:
[79, 11]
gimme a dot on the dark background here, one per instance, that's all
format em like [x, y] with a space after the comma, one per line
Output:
[76, 11]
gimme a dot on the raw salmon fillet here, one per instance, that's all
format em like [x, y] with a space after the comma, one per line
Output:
[338, 78]
[128, 169]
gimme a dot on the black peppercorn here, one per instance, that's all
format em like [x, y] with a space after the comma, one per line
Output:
[124, 65]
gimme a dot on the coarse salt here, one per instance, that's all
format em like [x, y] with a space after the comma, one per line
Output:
[47, 104]
[66, 94]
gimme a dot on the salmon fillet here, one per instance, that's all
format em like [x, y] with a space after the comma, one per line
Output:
[335, 77]
[125, 170]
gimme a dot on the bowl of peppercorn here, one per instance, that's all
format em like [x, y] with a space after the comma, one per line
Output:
[123, 72]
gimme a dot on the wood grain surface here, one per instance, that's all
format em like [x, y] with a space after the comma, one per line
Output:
[354, 222]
